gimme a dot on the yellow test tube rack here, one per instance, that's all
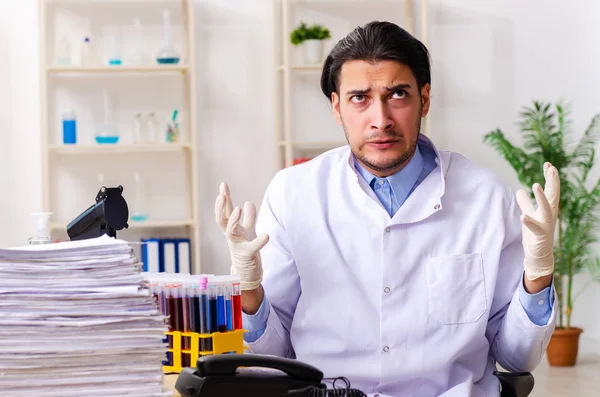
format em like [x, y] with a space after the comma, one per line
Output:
[222, 342]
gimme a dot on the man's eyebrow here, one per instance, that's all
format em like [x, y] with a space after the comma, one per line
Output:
[358, 92]
[398, 87]
[395, 88]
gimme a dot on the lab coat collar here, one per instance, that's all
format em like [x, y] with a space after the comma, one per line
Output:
[424, 201]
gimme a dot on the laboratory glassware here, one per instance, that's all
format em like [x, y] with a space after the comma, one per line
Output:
[139, 211]
[42, 229]
[136, 128]
[107, 133]
[168, 54]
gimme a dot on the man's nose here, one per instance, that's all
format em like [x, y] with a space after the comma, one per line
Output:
[381, 118]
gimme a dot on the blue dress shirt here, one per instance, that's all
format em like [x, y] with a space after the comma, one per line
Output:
[392, 191]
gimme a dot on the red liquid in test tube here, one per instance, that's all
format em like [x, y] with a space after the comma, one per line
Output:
[236, 303]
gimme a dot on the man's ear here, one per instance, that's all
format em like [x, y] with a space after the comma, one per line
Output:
[335, 103]
[425, 99]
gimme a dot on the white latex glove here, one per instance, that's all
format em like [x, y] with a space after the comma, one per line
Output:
[244, 245]
[539, 224]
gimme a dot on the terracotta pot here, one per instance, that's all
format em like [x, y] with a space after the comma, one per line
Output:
[563, 347]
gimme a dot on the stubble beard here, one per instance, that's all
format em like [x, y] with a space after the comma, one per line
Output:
[392, 163]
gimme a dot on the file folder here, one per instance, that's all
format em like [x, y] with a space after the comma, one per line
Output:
[184, 256]
[169, 256]
[151, 255]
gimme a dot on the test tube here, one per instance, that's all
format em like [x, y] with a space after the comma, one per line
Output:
[178, 307]
[185, 326]
[205, 314]
[228, 308]
[221, 320]
[236, 302]
[170, 313]
[193, 307]
[212, 291]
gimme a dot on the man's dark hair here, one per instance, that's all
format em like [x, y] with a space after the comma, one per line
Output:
[376, 41]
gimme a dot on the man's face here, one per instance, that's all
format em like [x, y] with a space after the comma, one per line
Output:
[380, 108]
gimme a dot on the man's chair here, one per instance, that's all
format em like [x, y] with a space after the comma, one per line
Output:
[515, 384]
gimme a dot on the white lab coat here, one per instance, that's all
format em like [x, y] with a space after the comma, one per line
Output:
[421, 304]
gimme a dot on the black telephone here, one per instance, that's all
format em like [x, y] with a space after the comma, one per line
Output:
[253, 375]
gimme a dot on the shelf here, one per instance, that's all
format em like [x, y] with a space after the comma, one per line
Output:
[66, 167]
[119, 148]
[97, 69]
[310, 67]
[85, 2]
[149, 224]
[315, 145]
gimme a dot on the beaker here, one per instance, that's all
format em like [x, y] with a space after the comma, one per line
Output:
[140, 206]
[106, 133]
[42, 229]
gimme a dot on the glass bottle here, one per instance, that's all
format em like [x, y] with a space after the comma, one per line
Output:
[139, 56]
[151, 128]
[136, 128]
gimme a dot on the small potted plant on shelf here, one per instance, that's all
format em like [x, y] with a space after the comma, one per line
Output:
[547, 137]
[311, 38]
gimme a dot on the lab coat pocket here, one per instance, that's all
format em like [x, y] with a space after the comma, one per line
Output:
[456, 288]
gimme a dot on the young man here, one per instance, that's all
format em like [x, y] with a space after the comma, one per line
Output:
[409, 270]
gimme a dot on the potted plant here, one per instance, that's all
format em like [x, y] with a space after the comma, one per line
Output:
[311, 38]
[547, 136]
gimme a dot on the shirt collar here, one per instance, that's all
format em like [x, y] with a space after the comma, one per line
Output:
[422, 140]
[401, 180]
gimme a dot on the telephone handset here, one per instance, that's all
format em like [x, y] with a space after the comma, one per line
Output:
[254, 375]
[227, 364]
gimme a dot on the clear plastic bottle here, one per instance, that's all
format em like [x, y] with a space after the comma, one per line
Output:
[151, 128]
[87, 52]
[136, 128]
[69, 124]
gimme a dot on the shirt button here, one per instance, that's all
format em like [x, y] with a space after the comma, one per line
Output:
[380, 182]
[386, 349]
[436, 207]
[541, 302]
[386, 290]
[387, 229]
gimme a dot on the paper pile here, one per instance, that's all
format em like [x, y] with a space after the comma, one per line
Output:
[77, 319]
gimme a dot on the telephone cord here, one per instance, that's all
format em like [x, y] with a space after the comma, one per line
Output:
[314, 391]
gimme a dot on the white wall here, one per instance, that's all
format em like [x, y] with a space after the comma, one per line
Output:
[490, 57]
[20, 162]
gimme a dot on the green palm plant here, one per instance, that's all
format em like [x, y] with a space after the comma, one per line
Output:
[547, 136]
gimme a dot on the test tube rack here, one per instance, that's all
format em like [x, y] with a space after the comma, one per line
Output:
[222, 342]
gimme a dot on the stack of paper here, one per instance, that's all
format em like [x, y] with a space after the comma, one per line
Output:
[77, 319]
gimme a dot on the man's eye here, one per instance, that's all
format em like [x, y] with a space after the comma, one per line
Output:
[399, 94]
[358, 98]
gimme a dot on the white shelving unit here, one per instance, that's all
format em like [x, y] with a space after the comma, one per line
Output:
[70, 171]
[340, 16]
